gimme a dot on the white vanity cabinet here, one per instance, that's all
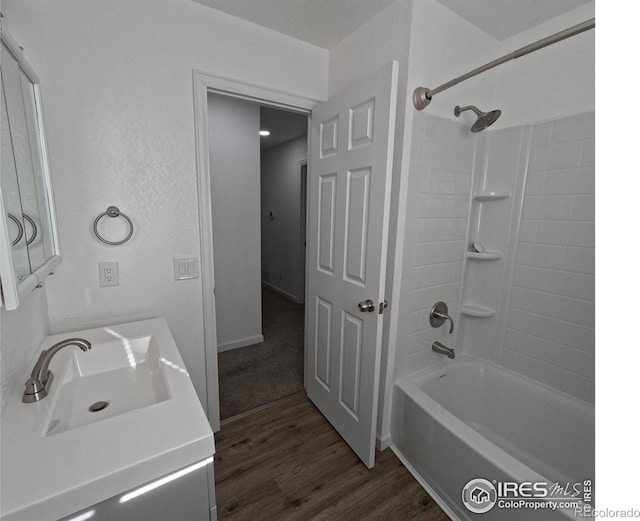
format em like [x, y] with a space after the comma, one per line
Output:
[186, 494]
[145, 455]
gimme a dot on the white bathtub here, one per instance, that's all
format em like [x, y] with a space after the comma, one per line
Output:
[466, 419]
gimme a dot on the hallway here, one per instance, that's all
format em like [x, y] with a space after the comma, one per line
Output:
[254, 375]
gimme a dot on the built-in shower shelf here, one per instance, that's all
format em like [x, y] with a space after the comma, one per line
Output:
[484, 256]
[482, 197]
[471, 310]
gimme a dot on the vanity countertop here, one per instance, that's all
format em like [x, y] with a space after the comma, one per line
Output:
[58, 459]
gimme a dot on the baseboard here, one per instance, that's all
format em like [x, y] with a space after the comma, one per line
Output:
[434, 495]
[240, 343]
[282, 292]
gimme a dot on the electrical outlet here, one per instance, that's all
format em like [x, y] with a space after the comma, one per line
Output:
[108, 274]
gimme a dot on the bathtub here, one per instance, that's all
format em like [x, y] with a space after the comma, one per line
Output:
[465, 419]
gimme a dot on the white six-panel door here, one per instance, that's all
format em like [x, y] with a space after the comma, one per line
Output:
[349, 180]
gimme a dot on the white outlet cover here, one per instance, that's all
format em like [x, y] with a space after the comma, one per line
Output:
[108, 274]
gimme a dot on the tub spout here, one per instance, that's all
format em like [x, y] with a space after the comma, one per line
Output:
[442, 349]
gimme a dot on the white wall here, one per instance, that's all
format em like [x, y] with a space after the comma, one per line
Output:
[234, 158]
[383, 38]
[281, 191]
[21, 333]
[117, 93]
[553, 82]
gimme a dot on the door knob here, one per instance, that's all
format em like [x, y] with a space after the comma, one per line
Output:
[367, 305]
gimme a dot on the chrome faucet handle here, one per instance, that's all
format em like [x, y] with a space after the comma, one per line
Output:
[439, 314]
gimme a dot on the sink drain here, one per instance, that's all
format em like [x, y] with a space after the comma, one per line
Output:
[98, 406]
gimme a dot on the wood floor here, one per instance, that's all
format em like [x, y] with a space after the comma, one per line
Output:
[284, 462]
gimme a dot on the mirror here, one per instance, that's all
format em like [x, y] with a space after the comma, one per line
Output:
[28, 233]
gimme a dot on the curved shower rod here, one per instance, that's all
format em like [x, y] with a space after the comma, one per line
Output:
[422, 95]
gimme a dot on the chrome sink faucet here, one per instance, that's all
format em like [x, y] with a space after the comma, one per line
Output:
[38, 385]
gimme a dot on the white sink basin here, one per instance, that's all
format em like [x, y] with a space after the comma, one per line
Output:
[110, 379]
[58, 457]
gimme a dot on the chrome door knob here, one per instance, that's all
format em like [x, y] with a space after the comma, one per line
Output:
[367, 305]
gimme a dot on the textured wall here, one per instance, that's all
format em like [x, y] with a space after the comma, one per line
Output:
[21, 333]
[281, 193]
[118, 105]
[234, 152]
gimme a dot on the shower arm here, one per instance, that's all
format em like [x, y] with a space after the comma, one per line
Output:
[422, 95]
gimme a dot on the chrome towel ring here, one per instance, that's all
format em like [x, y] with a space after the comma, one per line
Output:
[20, 229]
[112, 211]
[34, 228]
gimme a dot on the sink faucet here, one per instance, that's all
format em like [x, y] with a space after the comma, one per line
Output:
[38, 385]
[442, 349]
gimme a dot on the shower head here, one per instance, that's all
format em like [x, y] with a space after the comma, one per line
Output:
[485, 119]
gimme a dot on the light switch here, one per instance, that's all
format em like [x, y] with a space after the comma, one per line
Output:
[184, 269]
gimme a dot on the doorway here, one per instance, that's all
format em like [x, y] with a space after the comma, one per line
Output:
[351, 151]
[256, 153]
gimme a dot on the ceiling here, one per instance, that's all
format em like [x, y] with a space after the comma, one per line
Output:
[283, 125]
[325, 23]
[505, 18]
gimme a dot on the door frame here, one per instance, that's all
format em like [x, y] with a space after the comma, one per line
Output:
[302, 262]
[203, 83]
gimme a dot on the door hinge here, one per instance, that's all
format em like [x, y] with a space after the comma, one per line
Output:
[382, 306]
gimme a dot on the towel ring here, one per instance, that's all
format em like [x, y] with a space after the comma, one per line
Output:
[34, 228]
[20, 229]
[112, 211]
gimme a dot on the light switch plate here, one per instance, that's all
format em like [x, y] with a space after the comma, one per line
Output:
[184, 269]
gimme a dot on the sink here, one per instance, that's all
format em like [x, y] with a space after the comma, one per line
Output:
[116, 417]
[110, 379]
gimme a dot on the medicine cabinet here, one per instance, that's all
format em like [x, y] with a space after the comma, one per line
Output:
[29, 247]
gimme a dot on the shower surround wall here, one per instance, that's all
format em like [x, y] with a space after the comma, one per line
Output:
[550, 334]
[530, 309]
[443, 161]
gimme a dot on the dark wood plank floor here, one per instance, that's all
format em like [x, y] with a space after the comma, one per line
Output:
[284, 462]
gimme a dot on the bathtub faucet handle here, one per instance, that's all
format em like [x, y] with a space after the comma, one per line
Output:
[439, 314]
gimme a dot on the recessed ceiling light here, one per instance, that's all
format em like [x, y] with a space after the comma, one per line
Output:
[264, 133]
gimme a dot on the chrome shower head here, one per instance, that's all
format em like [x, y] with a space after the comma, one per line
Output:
[485, 119]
